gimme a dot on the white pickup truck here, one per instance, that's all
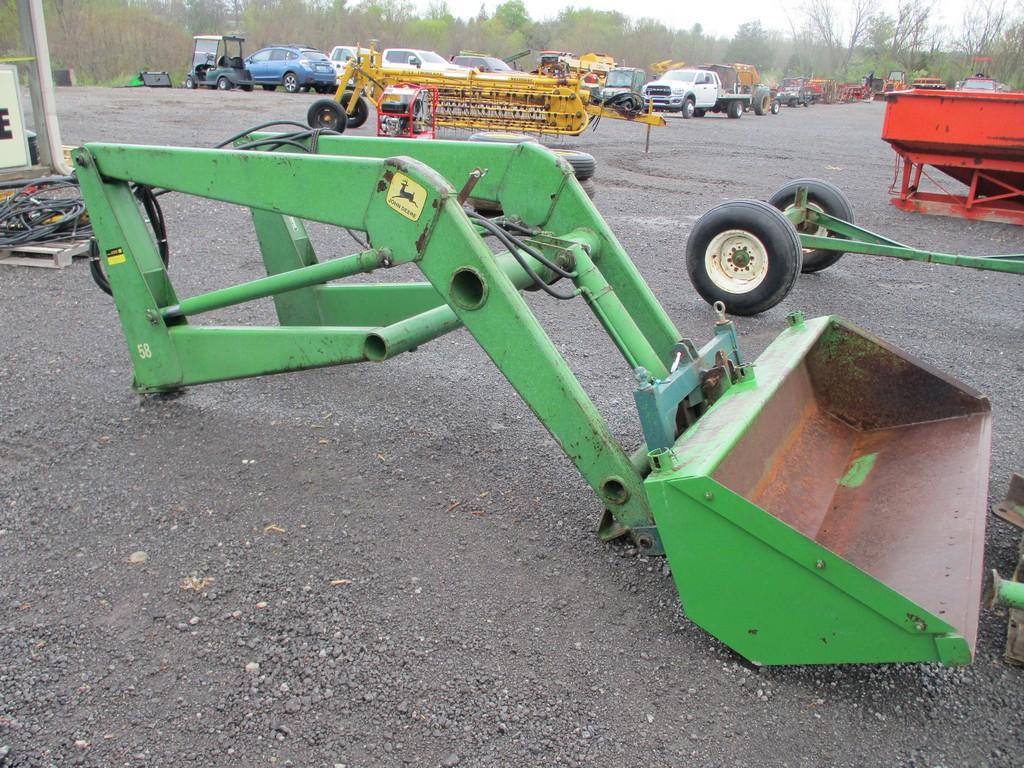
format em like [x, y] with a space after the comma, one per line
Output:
[340, 55]
[694, 93]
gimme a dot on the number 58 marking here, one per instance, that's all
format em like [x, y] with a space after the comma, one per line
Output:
[144, 351]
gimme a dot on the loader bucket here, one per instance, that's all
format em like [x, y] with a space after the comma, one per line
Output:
[830, 507]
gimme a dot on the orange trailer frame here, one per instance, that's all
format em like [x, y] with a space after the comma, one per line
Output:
[975, 138]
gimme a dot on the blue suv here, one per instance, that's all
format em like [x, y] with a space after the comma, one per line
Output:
[295, 67]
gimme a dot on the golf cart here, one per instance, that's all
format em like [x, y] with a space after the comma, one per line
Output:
[214, 66]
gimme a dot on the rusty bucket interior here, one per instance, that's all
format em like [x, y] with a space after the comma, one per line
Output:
[877, 461]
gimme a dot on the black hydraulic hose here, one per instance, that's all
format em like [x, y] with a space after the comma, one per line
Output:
[148, 198]
[513, 247]
[507, 224]
[16, 183]
[42, 210]
[513, 242]
[275, 143]
[259, 127]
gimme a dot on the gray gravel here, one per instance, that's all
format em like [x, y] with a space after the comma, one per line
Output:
[393, 564]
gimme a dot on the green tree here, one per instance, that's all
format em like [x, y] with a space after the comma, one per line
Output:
[751, 45]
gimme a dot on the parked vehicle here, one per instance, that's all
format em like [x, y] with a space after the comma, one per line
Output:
[744, 78]
[428, 61]
[213, 66]
[341, 54]
[481, 63]
[694, 93]
[896, 81]
[590, 69]
[928, 83]
[294, 67]
[978, 83]
[795, 92]
[623, 86]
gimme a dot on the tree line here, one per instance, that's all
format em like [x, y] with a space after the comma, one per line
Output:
[107, 41]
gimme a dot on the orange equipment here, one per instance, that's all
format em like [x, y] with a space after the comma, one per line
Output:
[967, 135]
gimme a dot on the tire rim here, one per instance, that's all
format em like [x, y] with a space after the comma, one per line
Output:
[805, 227]
[736, 261]
[290, 84]
[328, 119]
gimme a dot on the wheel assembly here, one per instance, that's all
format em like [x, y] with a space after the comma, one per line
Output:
[744, 253]
[825, 198]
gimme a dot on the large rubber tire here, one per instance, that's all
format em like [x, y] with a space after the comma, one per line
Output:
[501, 137]
[583, 165]
[827, 198]
[762, 104]
[269, 87]
[767, 243]
[246, 88]
[589, 187]
[327, 114]
[735, 109]
[290, 82]
[223, 84]
[689, 107]
[699, 112]
[190, 82]
[361, 113]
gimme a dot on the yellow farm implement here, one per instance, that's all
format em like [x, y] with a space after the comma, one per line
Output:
[473, 100]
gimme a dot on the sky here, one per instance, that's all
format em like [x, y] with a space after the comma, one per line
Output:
[719, 18]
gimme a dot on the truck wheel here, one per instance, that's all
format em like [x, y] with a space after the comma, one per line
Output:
[744, 253]
[583, 165]
[688, 109]
[735, 109]
[699, 112]
[762, 104]
[327, 114]
[821, 196]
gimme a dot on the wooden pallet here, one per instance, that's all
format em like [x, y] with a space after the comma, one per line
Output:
[55, 255]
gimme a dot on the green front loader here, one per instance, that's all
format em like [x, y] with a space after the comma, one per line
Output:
[822, 504]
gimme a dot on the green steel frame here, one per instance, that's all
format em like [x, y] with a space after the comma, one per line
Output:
[322, 325]
[847, 237]
[411, 213]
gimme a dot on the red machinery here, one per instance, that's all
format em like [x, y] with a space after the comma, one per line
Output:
[976, 138]
[406, 111]
[851, 92]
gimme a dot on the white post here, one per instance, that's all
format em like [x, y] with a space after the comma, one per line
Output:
[44, 105]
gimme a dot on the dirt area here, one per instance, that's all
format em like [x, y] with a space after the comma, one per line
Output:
[394, 564]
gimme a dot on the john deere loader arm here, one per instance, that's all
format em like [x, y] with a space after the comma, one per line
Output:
[824, 504]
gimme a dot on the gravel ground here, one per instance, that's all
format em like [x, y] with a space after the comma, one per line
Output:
[394, 564]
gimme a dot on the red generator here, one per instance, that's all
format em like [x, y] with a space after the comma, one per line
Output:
[406, 111]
